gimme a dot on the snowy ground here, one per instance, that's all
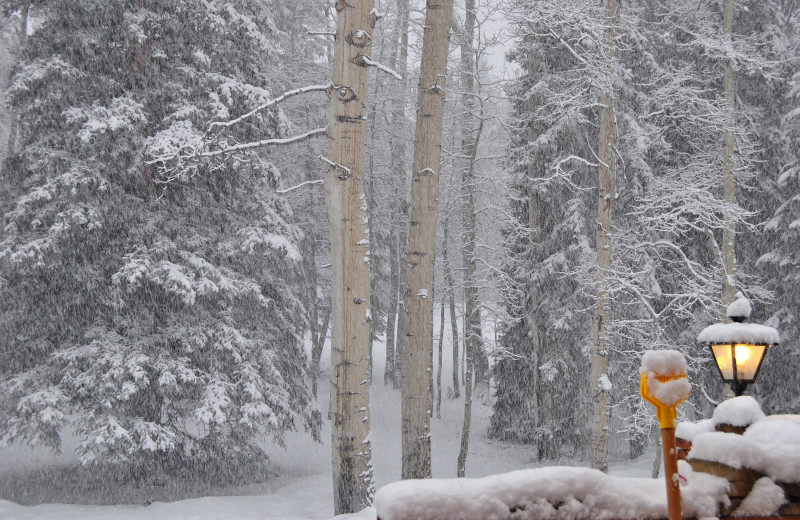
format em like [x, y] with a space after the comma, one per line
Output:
[303, 489]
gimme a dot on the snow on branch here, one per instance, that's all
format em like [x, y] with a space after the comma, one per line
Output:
[264, 142]
[269, 104]
[367, 61]
[178, 150]
[559, 174]
[344, 169]
[287, 190]
[574, 158]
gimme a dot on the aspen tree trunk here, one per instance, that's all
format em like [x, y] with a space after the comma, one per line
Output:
[13, 123]
[451, 289]
[469, 145]
[439, 366]
[402, 313]
[391, 315]
[728, 165]
[309, 263]
[369, 192]
[473, 331]
[417, 352]
[398, 153]
[344, 188]
[600, 386]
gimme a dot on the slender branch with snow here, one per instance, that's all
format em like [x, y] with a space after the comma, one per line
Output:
[183, 150]
[344, 169]
[264, 142]
[367, 61]
[287, 190]
[269, 104]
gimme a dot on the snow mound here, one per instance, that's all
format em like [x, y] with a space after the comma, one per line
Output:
[781, 462]
[545, 494]
[780, 431]
[765, 499]
[784, 417]
[738, 411]
[689, 430]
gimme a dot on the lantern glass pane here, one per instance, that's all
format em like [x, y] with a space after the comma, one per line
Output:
[748, 357]
[724, 358]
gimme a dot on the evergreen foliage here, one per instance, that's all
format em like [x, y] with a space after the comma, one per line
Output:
[159, 324]
[780, 262]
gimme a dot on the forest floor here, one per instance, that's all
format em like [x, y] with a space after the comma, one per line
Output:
[35, 484]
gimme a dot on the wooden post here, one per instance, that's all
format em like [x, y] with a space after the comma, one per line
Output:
[671, 473]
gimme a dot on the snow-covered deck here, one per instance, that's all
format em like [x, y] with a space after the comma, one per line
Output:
[751, 475]
[548, 493]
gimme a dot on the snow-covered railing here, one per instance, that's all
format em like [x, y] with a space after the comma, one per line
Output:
[550, 493]
[758, 455]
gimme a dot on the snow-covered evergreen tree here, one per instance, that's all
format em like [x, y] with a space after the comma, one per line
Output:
[162, 325]
[780, 262]
[542, 373]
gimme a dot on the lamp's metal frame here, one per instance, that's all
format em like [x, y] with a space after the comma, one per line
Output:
[737, 385]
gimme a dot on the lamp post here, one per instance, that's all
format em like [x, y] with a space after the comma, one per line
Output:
[738, 347]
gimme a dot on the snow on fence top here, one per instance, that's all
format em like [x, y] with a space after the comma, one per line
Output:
[689, 430]
[780, 462]
[769, 445]
[738, 411]
[549, 493]
[750, 333]
[776, 430]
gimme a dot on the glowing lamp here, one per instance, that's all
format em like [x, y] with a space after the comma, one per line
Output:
[738, 347]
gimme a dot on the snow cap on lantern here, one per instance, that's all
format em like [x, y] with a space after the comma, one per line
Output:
[739, 309]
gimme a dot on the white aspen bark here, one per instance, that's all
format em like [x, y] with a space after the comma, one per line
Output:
[657, 460]
[369, 192]
[311, 276]
[729, 167]
[13, 123]
[439, 365]
[344, 187]
[450, 283]
[600, 386]
[469, 145]
[398, 152]
[473, 330]
[473, 327]
[417, 352]
[402, 313]
[391, 315]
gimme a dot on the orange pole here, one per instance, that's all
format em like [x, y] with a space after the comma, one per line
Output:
[671, 473]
